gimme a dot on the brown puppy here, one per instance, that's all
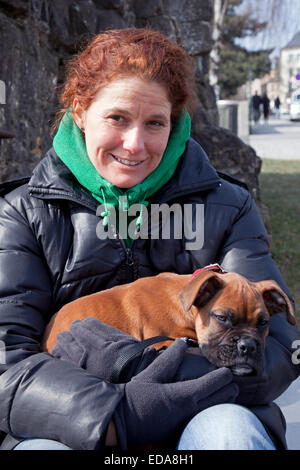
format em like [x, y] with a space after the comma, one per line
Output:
[227, 314]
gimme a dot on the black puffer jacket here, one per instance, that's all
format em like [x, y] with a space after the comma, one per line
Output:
[50, 255]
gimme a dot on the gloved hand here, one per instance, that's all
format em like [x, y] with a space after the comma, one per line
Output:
[194, 365]
[154, 406]
[96, 347]
[252, 390]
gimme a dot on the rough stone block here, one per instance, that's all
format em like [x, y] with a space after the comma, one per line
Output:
[189, 10]
[195, 36]
[29, 70]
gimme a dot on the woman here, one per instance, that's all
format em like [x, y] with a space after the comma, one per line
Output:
[124, 139]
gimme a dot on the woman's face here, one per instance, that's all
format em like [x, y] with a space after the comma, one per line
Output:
[127, 128]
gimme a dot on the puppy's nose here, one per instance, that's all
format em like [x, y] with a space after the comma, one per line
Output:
[246, 346]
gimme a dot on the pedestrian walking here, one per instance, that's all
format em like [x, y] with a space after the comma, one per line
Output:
[277, 104]
[266, 107]
[256, 102]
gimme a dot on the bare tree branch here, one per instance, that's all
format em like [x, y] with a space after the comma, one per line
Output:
[273, 12]
[220, 7]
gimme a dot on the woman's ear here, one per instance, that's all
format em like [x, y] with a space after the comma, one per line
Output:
[78, 114]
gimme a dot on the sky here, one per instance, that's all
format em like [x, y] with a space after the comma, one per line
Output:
[282, 24]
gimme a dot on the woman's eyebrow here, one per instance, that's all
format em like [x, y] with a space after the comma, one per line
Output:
[126, 112]
[159, 116]
[118, 111]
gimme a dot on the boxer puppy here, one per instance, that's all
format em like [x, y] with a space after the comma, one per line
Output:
[224, 312]
[232, 319]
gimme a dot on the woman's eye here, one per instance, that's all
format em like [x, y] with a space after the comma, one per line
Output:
[116, 118]
[156, 124]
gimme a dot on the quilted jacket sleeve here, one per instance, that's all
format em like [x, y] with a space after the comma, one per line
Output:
[41, 396]
[246, 251]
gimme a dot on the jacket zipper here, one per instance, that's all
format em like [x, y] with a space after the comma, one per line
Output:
[129, 262]
[129, 257]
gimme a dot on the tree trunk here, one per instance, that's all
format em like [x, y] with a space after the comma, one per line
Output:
[220, 7]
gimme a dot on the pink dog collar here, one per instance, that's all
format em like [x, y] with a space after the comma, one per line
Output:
[211, 267]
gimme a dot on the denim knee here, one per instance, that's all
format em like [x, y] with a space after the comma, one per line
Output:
[225, 427]
[40, 444]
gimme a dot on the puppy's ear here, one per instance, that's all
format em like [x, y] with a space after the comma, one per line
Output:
[276, 300]
[201, 289]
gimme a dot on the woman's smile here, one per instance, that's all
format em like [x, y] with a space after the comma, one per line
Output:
[127, 128]
[126, 162]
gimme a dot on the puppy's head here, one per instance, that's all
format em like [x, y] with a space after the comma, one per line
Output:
[231, 316]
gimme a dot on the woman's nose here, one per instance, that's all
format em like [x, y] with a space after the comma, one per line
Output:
[134, 140]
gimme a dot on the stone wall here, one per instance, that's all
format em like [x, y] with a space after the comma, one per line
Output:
[38, 36]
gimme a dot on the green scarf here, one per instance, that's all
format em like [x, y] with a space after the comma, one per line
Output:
[69, 145]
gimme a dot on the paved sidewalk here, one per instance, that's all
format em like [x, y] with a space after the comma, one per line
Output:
[289, 403]
[279, 139]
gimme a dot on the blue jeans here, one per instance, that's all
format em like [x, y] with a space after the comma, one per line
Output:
[41, 444]
[220, 427]
[225, 427]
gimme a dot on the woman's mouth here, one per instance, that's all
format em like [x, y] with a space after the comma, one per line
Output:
[126, 162]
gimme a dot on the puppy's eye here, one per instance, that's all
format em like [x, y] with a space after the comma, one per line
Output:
[262, 322]
[221, 318]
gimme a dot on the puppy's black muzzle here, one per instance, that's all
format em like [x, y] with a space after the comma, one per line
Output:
[243, 354]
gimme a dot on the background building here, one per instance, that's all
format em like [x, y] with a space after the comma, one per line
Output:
[283, 78]
[289, 68]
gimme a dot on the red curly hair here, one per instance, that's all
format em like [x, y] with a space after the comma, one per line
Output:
[144, 53]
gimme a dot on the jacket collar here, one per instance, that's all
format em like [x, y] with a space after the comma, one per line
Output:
[194, 174]
[51, 179]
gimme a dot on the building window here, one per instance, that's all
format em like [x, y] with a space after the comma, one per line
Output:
[291, 58]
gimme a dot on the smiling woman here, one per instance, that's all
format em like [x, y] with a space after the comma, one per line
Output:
[126, 128]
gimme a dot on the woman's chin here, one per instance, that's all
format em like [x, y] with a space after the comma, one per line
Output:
[124, 181]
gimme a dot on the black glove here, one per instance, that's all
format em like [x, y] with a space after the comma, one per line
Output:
[154, 406]
[96, 347]
[252, 390]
